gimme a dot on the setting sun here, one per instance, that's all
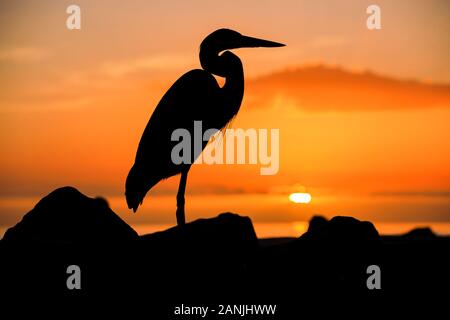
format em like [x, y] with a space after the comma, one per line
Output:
[300, 197]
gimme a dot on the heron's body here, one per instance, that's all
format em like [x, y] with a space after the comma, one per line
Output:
[184, 103]
[195, 96]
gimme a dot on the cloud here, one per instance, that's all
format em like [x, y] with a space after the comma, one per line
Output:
[287, 189]
[156, 62]
[427, 193]
[203, 190]
[322, 88]
[22, 54]
[328, 41]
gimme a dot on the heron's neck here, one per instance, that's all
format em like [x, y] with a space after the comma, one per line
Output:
[233, 90]
[222, 65]
[229, 66]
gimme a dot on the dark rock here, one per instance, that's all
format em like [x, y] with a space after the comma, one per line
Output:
[205, 248]
[316, 223]
[68, 216]
[420, 234]
[342, 229]
[227, 230]
[268, 242]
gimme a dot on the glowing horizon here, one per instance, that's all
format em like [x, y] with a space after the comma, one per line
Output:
[363, 115]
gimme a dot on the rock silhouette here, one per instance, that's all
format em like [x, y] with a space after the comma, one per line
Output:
[316, 222]
[420, 234]
[227, 232]
[341, 230]
[68, 216]
[216, 260]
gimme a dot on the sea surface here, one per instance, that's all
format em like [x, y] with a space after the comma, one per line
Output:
[272, 215]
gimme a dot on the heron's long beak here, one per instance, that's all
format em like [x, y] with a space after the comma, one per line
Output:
[250, 42]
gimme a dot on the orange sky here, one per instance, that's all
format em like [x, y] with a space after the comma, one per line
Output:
[363, 115]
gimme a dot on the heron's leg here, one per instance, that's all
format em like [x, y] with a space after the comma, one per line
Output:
[181, 220]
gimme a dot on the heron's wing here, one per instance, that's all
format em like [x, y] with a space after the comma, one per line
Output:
[193, 97]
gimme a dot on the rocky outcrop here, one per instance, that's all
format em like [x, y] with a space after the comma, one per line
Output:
[68, 216]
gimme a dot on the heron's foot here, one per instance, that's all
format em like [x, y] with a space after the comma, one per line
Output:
[181, 219]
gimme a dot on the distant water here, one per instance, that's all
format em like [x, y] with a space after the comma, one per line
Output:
[296, 229]
[157, 214]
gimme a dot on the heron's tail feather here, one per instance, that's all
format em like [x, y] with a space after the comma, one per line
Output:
[133, 200]
[136, 188]
[134, 191]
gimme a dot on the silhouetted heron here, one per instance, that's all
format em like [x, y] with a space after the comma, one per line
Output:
[196, 96]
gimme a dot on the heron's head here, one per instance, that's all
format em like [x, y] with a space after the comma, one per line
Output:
[227, 39]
